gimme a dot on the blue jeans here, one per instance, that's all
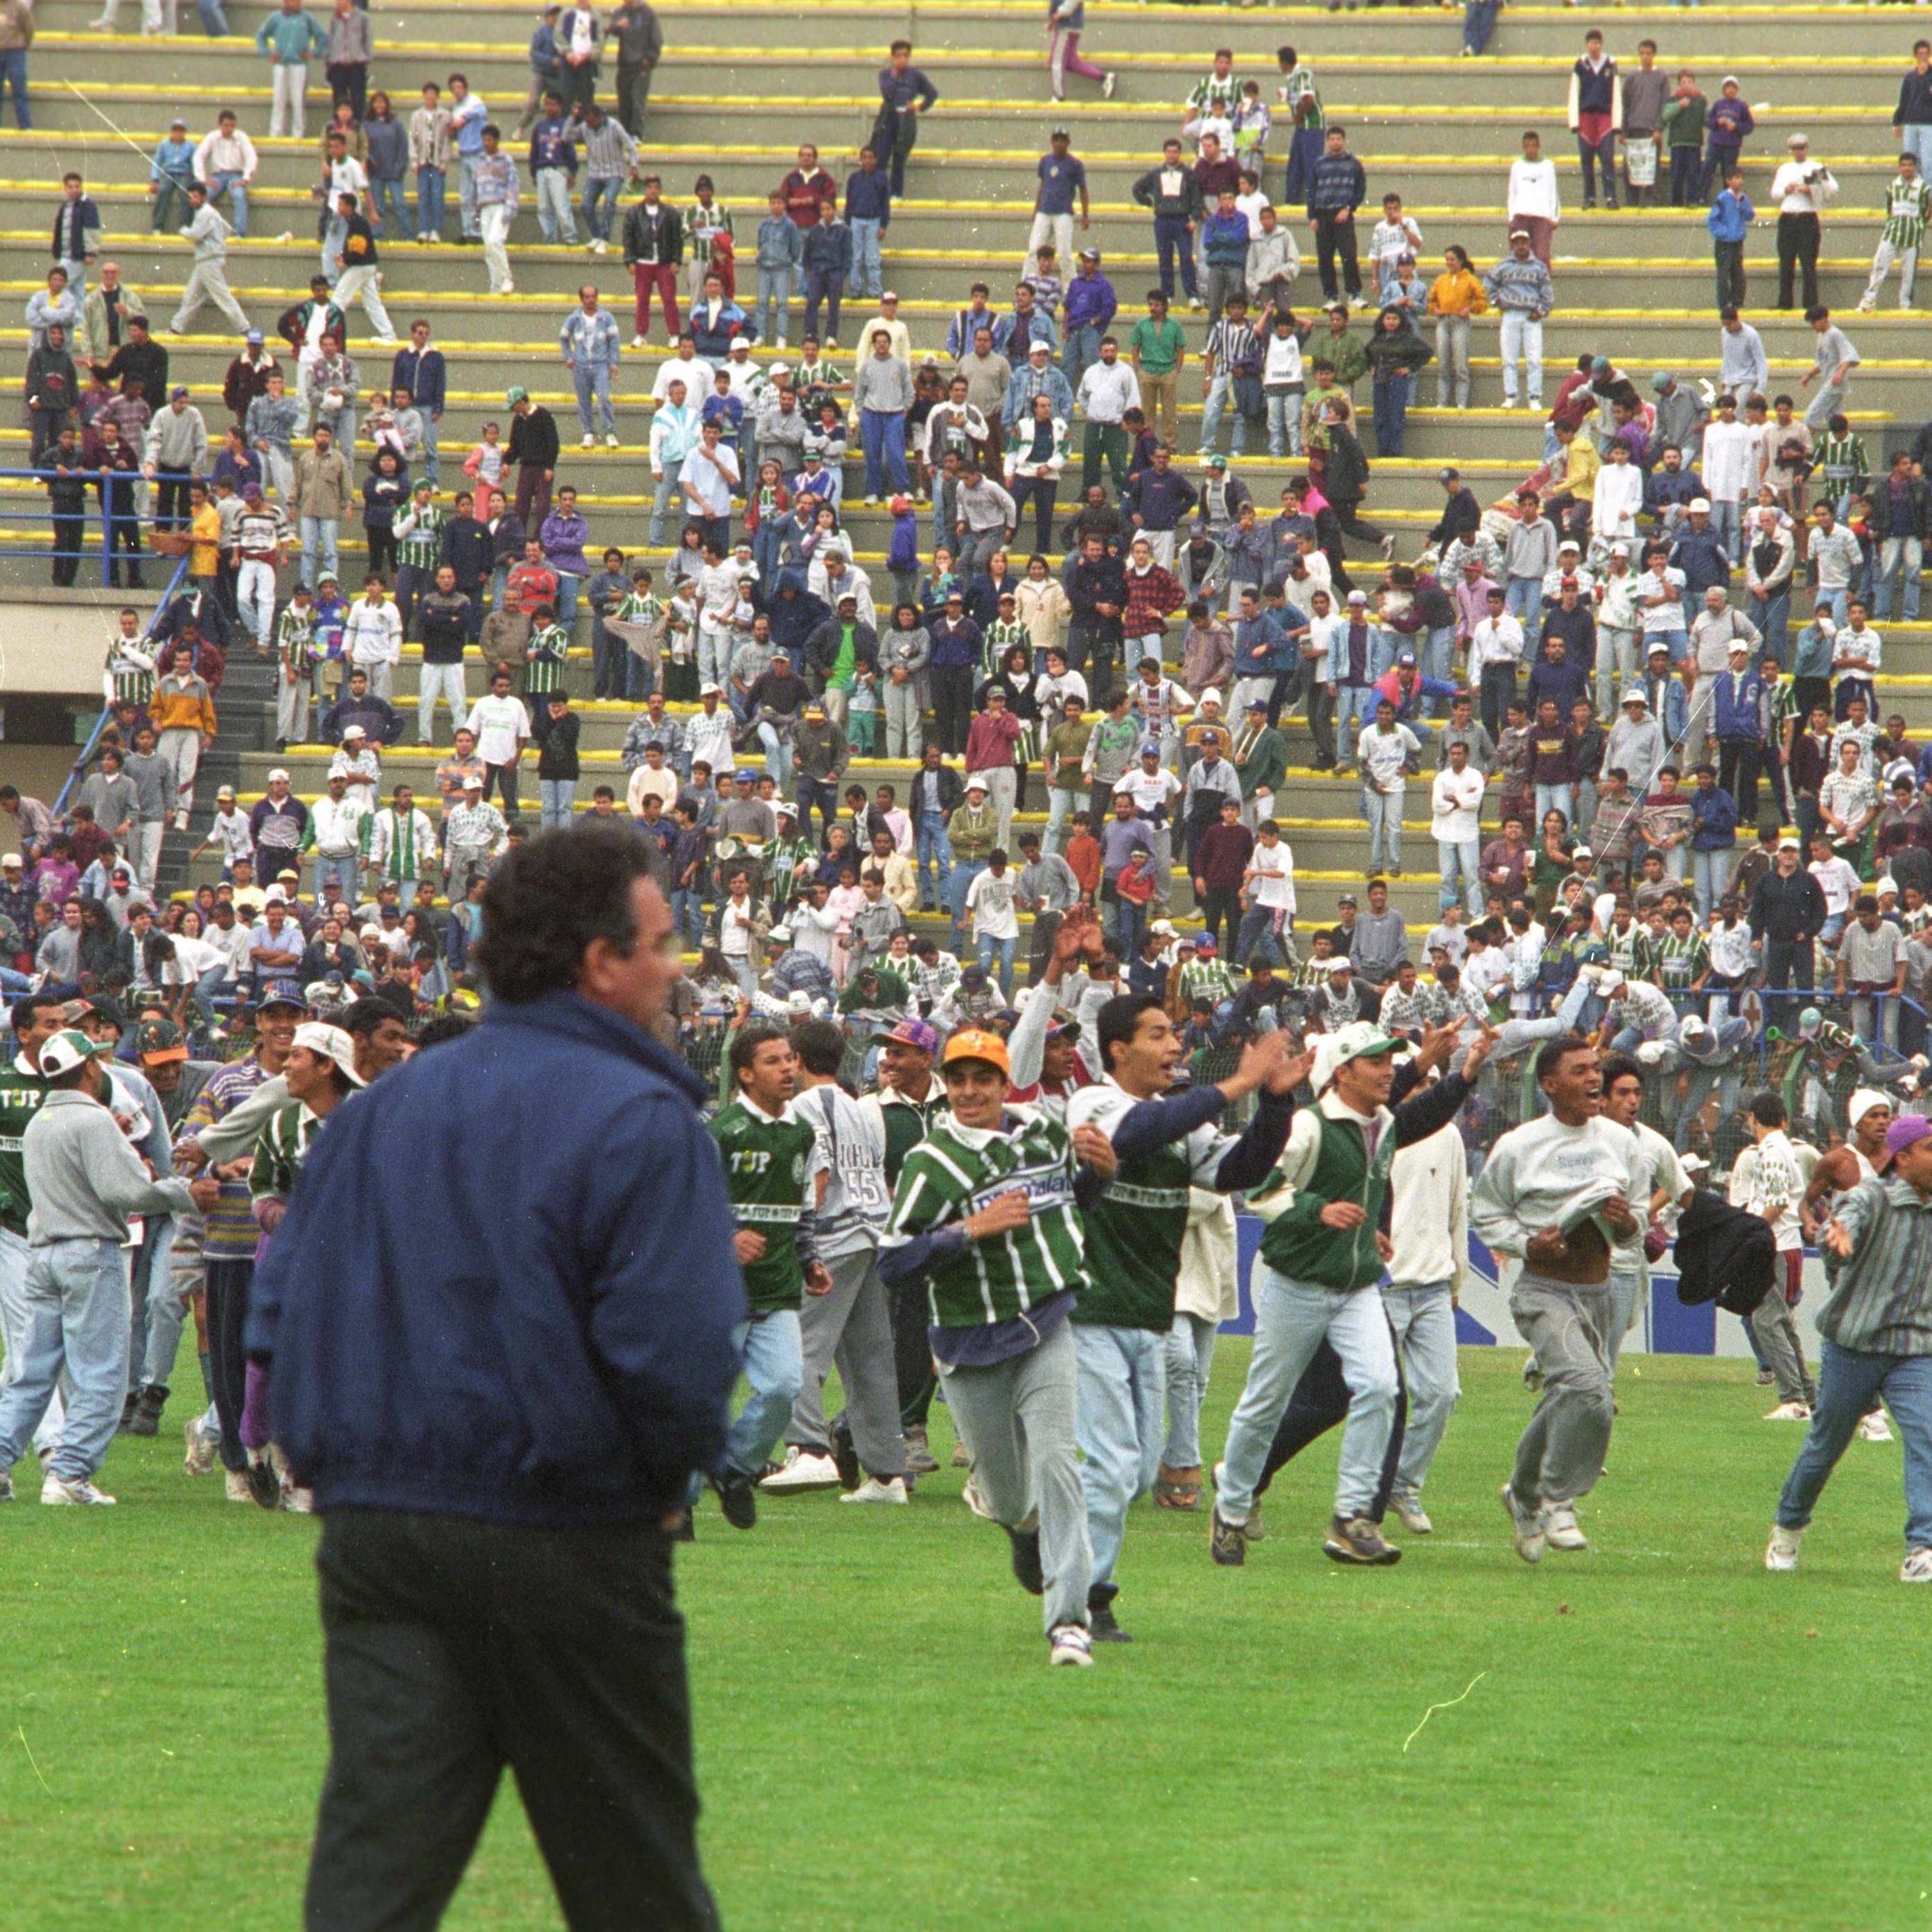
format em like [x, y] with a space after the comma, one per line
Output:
[205, 988]
[778, 757]
[1523, 600]
[827, 286]
[1257, 929]
[13, 74]
[1219, 388]
[1174, 244]
[238, 199]
[1556, 798]
[687, 915]
[883, 433]
[774, 1373]
[1002, 950]
[1711, 872]
[1772, 617]
[1383, 810]
[961, 883]
[1848, 1379]
[593, 397]
[1355, 704]
[1292, 1319]
[935, 860]
[1081, 347]
[79, 1316]
[390, 200]
[868, 271]
[466, 192]
[1123, 1391]
[429, 201]
[559, 801]
[554, 215]
[1130, 926]
[1460, 860]
[336, 879]
[600, 206]
[1479, 23]
[1391, 408]
[1284, 421]
[774, 299]
[318, 546]
[214, 18]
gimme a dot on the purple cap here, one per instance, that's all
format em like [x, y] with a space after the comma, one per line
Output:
[920, 1034]
[1904, 1131]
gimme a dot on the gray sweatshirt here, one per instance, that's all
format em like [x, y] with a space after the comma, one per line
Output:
[1636, 749]
[83, 1178]
[154, 784]
[882, 383]
[984, 505]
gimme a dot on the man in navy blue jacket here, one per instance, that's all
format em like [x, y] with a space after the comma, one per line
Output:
[496, 1357]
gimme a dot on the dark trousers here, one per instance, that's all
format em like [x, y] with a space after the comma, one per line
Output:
[1321, 723]
[1305, 149]
[1320, 1401]
[634, 96]
[1718, 162]
[1172, 241]
[1738, 761]
[1603, 154]
[171, 503]
[578, 85]
[228, 1283]
[913, 1354]
[473, 622]
[454, 1647]
[894, 135]
[1041, 492]
[68, 532]
[349, 80]
[1787, 963]
[1222, 905]
[1045, 930]
[1686, 176]
[827, 286]
[952, 705]
[1332, 237]
[1797, 253]
[504, 777]
[1498, 692]
[1730, 274]
[533, 489]
[823, 793]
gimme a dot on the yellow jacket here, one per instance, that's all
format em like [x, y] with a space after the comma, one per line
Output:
[181, 704]
[1457, 294]
[206, 529]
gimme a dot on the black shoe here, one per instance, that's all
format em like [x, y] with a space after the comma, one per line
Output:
[737, 1499]
[128, 1408]
[146, 1419]
[846, 1457]
[1102, 1625]
[265, 1484]
[1026, 1561]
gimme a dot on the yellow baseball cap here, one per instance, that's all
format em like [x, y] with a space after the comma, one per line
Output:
[974, 1044]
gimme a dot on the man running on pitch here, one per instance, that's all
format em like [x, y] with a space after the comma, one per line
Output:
[1657, 1178]
[1556, 1194]
[1322, 1259]
[1134, 1234]
[987, 1215]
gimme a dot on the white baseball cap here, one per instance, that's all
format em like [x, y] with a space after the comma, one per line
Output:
[332, 1043]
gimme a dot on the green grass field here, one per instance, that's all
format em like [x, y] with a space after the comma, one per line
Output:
[1660, 1735]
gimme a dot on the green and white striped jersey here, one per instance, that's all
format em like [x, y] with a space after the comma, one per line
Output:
[956, 1171]
[1299, 86]
[1908, 205]
[419, 536]
[1680, 961]
[997, 639]
[294, 639]
[1134, 1231]
[22, 1091]
[131, 669]
[1214, 95]
[766, 1160]
[280, 1150]
[544, 652]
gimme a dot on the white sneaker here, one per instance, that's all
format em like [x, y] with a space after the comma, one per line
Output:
[1559, 1527]
[780, 343]
[974, 1501]
[1781, 1552]
[871, 1490]
[802, 1470]
[56, 1490]
[1788, 1411]
[600, 247]
[637, 342]
[871, 502]
[1874, 1428]
[611, 441]
[1071, 1645]
[1865, 306]
[200, 1456]
[507, 289]
[1108, 83]
[1917, 1568]
[296, 1502]
[1409, 1513]
[1528, 1524]
[238, 1489]
[589, 442]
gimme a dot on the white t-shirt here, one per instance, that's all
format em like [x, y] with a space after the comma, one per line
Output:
[698, 376]
[990, 900]
[501, 725]
[1273, 885]
[1455, 804]
[734, 927]
[192, 958]
[1151, 790]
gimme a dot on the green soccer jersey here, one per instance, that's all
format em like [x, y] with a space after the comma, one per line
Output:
[22, 1091]
[765, 1165]
[280, 1151]
[1134, 1231]
[545, 653]
[956, 1171]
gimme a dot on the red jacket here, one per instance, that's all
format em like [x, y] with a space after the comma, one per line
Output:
[1151, 600]
[989, 743]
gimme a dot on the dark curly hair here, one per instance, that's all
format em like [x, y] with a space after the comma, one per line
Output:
[547, 898]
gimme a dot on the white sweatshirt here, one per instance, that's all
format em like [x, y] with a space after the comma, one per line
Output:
[1428, 1212]
[1545, 1175]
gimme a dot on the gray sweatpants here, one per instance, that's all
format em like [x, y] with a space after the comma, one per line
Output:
[1561, 1453]
[853, 1327]
[1777, 1342]
[1018, 1421]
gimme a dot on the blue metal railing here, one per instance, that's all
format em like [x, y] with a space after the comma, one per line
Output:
[105, 490]
[78, 769]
